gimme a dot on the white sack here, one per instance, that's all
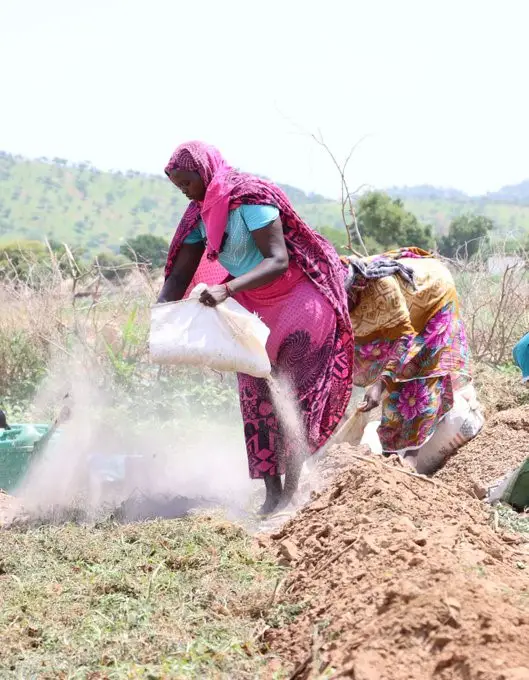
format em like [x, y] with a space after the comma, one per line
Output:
[370, 437]
[225, 338]
[461, 424]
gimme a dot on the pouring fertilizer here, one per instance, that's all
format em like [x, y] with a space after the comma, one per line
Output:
[241, 237]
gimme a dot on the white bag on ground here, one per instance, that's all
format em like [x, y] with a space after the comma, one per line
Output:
[461, 424]
[370, 437]
[224, 338]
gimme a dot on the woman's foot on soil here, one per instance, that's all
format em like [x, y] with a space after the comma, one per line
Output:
[274, 490]
[286, 500]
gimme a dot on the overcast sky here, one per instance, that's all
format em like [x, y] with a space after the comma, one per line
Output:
[438, 88]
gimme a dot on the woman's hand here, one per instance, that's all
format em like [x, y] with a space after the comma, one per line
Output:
[213, 295]
[372, 397]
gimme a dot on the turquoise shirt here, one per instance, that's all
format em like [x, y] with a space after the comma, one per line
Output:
[240, 254]
[520, 355]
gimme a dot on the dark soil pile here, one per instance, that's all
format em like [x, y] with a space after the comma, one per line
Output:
[399, 578]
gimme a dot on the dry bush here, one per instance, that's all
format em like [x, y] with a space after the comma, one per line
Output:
[499, 388]
[60, 312]
[495, 306]
[103, 325]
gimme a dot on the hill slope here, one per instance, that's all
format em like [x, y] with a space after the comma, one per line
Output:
[83, 206]
[508, 207]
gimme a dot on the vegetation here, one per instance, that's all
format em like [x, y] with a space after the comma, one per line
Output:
[105, 212]
[385, 223]
[184, 599]
[111, 266]
[22, 261]
[146, 249]
[192, 597]
[188, 598]
[101, 211]
[466, 235]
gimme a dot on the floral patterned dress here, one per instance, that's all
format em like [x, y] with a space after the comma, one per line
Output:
[414, 340]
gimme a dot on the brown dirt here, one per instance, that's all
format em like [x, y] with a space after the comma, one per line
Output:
[399, 578]
[502, 446]
[394, 577]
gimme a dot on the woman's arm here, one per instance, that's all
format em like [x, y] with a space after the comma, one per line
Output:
[271, 243]
[184, 269]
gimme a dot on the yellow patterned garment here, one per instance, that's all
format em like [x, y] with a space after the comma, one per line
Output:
[414, 340]
[389, 307]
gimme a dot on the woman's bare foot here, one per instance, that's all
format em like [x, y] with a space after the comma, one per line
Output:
[292, 475]
[273, 494]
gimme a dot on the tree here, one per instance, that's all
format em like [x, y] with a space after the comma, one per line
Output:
[465, 236]
[24, 261]
[385, 223]
[338, 238]
[112, 267]
[147, 249]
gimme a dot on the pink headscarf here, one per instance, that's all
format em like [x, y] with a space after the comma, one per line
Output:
[218, 178]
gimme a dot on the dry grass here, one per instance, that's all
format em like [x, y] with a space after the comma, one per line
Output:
[495, 306]
[186, 598]
[499, 388]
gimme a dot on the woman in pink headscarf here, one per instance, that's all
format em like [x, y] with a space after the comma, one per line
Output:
[241, 236]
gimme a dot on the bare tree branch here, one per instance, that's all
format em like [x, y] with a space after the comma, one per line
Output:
[347, 197]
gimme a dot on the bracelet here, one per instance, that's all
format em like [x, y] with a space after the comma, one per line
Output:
[228, 290]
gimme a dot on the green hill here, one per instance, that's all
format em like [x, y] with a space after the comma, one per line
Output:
[509, 219]
[81, 205]
[86, 207]
[508, 207]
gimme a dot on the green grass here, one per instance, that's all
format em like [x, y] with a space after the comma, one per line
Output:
[511, 520]
[185, 598]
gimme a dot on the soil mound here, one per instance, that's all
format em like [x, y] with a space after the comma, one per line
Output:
[501, 446]
[401, 578]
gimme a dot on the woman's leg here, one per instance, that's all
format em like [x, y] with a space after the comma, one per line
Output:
[263, 436]
[273, 496]
[293, 465]
[313, 360]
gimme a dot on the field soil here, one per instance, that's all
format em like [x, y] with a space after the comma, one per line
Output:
[402, 578]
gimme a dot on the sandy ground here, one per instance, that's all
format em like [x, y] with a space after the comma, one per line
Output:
[400, 578]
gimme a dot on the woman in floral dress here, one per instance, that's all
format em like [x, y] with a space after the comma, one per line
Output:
[411, 351]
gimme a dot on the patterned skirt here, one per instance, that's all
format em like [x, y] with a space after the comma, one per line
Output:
[308, 351]
[421, 372]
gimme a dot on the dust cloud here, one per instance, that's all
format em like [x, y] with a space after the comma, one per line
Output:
[111, 461]
[103, 457]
